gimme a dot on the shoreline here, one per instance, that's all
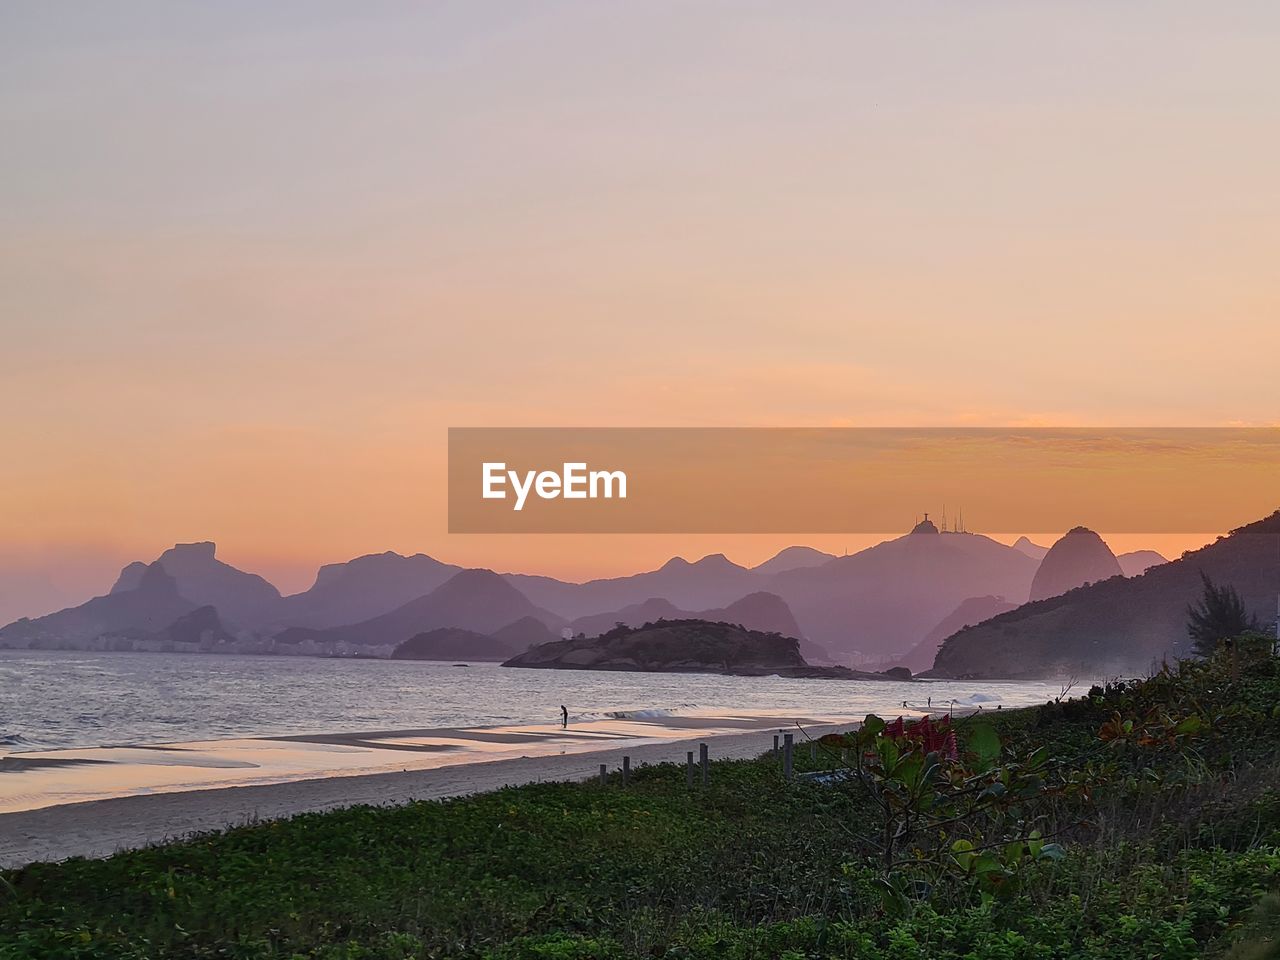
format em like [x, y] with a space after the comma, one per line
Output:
[99, 828]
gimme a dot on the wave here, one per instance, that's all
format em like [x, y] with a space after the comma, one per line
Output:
[639, 714]
[636, 713]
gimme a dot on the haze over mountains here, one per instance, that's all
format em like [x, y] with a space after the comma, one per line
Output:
[893, 603]
[1120, 625]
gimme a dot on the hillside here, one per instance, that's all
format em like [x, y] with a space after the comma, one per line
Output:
[1122, 625]
[451, 643]
[972, 611]
[683, 646]
[762, 611]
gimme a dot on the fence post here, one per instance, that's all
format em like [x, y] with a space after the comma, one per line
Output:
[775, 746]
[788, 744]
[688, 769]
[604, 774]
[626, 770]
[703, 761]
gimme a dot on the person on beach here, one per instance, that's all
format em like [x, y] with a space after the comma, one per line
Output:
[564, 717]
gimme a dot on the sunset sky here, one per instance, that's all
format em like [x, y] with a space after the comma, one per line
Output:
[255, 259]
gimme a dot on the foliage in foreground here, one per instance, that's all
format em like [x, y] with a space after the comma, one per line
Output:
[1140, 821]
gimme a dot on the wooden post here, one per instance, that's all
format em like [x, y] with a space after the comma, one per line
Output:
[705, 763]
[626, 770]
[788, 744]
[604, 774]
[775, 746]
[688, 768]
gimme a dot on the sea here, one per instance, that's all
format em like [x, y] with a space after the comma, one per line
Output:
[52, 700]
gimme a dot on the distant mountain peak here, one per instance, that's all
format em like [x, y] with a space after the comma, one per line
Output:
[204, 579]
[925, 526]
[793, 558]
[203, 549]
[1079, 557]
[716, 561]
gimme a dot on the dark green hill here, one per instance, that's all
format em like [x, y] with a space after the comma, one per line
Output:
[1121, 625]
[695, 646]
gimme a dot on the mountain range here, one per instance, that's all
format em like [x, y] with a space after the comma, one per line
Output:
[1119, 625]
[889, 604]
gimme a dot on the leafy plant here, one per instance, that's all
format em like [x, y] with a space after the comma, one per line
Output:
[1218, 616]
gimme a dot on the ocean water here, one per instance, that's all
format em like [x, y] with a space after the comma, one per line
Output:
[53, 700]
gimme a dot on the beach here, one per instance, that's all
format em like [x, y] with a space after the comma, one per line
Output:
[98, 828]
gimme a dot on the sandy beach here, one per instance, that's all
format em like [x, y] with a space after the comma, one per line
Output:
[98, 828]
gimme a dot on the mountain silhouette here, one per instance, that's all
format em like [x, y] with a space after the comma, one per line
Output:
[362, 588]
[792, 558]
[1121, 625]
[201, 626]
[757, 611]
[696, 646]
[524, 633]
[877, 604]
[452, 643]
[1137, 562]
[150, 605]
[1032, 550]
[240, 597]
[1079, 557]
[477, 600]
[971, 611]
[712, 581]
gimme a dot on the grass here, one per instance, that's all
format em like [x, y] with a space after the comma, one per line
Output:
[1172, 847]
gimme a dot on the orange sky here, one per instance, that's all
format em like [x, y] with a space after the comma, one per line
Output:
[255, 260]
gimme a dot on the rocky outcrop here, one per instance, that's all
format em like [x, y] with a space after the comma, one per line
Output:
[1079, 557]
[243, 598]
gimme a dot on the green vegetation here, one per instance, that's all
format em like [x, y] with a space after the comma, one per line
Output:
[1219, 616]
[1142, 820]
